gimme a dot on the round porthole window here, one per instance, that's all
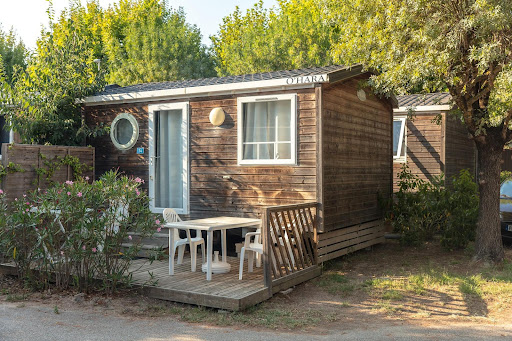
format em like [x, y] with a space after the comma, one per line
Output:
[124, 131]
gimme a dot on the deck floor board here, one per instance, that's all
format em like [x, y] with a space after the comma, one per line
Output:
[222, 286]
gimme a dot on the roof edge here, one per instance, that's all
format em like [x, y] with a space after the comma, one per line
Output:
[424, 108]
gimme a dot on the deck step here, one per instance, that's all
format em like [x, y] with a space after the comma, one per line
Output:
[145, 251]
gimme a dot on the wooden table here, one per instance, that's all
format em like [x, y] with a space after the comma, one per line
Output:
[209, 225]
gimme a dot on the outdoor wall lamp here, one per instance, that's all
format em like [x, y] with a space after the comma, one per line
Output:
[217, 116]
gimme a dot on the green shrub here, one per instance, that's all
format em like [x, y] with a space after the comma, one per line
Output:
[422, 209]
[418, 210]
[82, 243]
[462, 212]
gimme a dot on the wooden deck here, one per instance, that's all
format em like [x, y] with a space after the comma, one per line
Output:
[224, 291]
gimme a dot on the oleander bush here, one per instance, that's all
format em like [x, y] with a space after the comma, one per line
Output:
[73, 233]
[422, 209]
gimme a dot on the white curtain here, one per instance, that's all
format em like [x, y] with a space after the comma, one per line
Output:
[169, 159]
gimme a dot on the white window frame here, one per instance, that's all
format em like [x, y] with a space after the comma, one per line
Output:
[135, 132]
[402, 140]
[11, 140]
[293, 129]
[184, 107]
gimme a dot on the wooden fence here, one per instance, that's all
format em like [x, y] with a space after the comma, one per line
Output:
[289, 243]
[31, 158]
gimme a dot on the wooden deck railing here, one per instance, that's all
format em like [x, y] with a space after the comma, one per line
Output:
[289, 240]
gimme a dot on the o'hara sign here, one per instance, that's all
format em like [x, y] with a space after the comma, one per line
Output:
[306, 79]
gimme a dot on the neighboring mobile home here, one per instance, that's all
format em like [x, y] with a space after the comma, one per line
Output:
[234, 145]
[430, 140]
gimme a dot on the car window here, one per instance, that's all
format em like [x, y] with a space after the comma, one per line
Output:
[506, 189]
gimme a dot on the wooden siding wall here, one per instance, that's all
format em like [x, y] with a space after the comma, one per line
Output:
[218, 186]
[30, 157]
[460, 150]
[425, 148]
[357, 160]
[107, 155]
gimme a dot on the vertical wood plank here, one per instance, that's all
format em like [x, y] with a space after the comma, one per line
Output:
[267, 277]
[319, 156]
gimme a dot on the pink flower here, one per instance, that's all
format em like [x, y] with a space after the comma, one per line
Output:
[157, 222]
[86, 178]
[69, 182]
[59, 191]
[69, 193]
[159, 229]
[79, 194]
[137, 192]
[94, 249]
[15, 199]
[138, 180]
[1, 192]
[27, 210]
[27, 203]
[130, 237]
[83, 247]
[62, 253]
[24, 195]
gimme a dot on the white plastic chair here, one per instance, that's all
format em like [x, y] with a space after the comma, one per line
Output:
[253, 248]
[170, 216]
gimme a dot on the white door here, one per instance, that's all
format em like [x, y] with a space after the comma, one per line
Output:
[168, 157]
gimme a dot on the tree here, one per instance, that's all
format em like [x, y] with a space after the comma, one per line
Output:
[464, 45]
[138, 41]
[146, 41]
[42, 104]
[295, 35]
[13, 53]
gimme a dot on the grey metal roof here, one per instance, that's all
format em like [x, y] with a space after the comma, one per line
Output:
[222, 80]
[436, 98]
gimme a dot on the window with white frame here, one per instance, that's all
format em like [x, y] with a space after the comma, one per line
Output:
[267, 129]
[399, 139]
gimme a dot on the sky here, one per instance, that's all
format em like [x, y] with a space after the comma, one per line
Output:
[28, 16]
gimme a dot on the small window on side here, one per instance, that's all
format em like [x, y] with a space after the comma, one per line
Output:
[399, 139]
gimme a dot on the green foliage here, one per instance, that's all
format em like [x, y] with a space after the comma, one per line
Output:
[10, 169]
[51, 166]
[462, 206]
[12, 52]
[146, 41]
[295, 35]
[43, 104]
[422, 209]
[504, 176]
[138, 41]
[419, 209]
[73, 233]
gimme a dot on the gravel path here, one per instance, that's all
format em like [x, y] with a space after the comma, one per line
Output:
[41, 323]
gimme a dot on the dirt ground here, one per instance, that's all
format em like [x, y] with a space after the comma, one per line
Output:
[388, 284]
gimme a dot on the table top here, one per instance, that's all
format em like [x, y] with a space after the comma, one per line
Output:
[216, 223]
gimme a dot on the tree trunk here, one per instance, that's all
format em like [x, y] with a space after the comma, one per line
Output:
[489, 246]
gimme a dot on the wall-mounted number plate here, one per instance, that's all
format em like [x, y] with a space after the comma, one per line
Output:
[140, 150]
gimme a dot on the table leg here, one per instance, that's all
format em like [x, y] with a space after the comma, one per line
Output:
[209, 252]
[224, 247]
[171, 251]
